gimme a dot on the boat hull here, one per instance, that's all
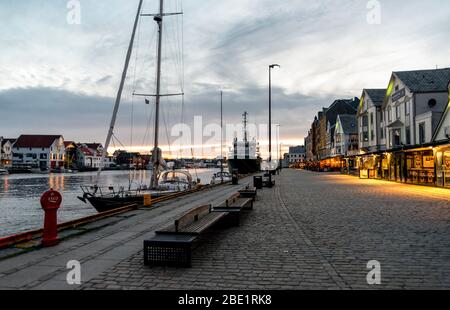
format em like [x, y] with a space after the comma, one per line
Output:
[244, 166]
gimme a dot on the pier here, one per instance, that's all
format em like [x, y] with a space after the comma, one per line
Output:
[311, 231]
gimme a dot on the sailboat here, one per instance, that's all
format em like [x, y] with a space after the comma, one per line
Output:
[222, 176]
[163, 182]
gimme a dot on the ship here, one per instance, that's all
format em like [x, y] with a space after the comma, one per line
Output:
[244, 157]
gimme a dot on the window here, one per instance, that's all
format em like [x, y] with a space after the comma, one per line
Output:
[396, 88]
[422, 133]
[408, 135]
[432, 103]
[365, 120]
[371, 119]
[382, 133]
[407, 107]
[397, 112]
[390, 114]
[372, 135]
[381, 116]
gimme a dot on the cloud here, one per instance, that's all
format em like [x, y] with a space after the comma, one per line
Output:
[63, 78]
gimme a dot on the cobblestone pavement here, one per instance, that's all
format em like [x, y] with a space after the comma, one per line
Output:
[315, 231]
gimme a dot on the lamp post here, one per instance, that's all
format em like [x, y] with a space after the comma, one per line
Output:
[278, 145]
[270, 120]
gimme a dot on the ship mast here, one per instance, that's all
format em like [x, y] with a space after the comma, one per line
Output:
[244, 122]
[119, 93]
[156, 155]
[221, 136]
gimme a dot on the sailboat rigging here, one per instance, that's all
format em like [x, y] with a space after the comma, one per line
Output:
[162, 182]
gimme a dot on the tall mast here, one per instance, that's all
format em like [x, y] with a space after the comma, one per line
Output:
[119, 93]
[221, 136]
[156, 157]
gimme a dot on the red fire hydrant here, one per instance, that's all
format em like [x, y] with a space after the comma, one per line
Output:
[50, 202]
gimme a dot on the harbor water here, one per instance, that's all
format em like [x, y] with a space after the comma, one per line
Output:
[20, 208]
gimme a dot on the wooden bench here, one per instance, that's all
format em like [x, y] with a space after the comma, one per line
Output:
[248, 192]
[237, 201]
[173, 244]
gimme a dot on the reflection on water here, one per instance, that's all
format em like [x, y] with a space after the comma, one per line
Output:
[20, 209]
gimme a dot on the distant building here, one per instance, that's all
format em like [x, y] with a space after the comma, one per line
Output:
[39, 151]
[296, 155]
[89, 156]
[6, 158]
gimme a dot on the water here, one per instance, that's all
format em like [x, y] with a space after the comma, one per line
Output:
[21, 211]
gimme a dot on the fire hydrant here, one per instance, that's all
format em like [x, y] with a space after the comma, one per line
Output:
[50, 202]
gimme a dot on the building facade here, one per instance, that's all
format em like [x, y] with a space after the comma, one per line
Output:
[6, 158]
[39, 151]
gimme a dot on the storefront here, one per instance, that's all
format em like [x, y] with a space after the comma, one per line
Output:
[332, 164]
[370, 166]
[443, 166]
[420, 167]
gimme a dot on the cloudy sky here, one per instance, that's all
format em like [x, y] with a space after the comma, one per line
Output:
[62, 78]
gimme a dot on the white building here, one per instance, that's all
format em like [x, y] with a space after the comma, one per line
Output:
[296, 155]
[89, 155]
[371, 121]
[346, 136]
[6, 155]
[39, 151]
[414, 104]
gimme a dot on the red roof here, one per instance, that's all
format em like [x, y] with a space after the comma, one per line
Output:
[36, 141]
[86, 151]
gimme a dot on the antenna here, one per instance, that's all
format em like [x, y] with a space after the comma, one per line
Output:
[244, 122]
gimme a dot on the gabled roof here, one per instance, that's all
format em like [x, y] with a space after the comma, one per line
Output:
[376, 95]
[443, 117]
[36, 141]
[93, 146]
[423, 81]
[10, 140]
[349, 124]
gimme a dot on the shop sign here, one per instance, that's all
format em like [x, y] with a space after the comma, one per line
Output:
[398, 95]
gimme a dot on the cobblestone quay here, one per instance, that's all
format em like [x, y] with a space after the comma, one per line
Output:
[312, 231]
[315, 231]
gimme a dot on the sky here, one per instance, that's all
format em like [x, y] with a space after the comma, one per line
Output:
[62, 78]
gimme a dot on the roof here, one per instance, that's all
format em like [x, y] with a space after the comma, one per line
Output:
[36, 141]
[8, 140]
[422, 81]
[68, 143]
[376, 95]
[86, 151]
[93, 146]
[341, 106]
[349, 124]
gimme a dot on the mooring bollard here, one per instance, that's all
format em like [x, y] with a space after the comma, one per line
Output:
[50, 202]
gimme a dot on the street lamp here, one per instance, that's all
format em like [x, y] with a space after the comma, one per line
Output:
[270, 120]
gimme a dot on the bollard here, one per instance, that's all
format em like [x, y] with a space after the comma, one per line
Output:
[50, 202]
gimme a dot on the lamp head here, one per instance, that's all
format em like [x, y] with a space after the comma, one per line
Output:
[274, 65]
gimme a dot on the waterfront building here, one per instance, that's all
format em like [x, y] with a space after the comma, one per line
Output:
[39, 151]
[296, 156]
[6, 158]
[371, 121]
[441, 139]
[89, 156]
[346, 136]
[327, 130]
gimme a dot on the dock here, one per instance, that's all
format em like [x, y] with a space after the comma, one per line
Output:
[311, 231]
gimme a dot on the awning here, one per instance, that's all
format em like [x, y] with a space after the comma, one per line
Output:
[396, 124]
